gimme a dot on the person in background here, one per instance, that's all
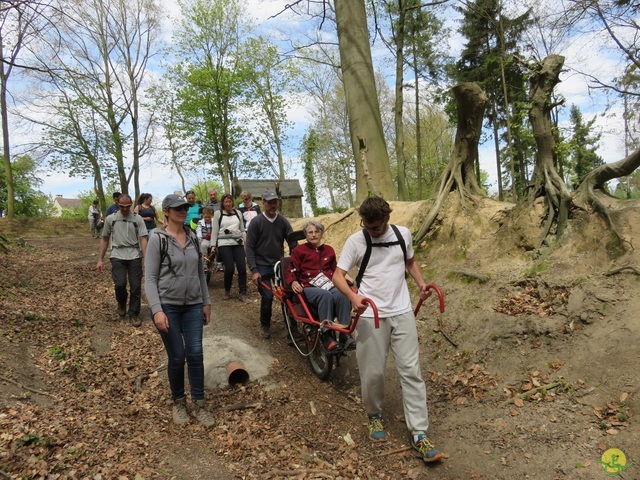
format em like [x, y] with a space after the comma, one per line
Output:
[383, 280]
[264, 248]
[310, 272]
[95, 218]
[178, 296]
[203, 232]
[228, 232]
[213, 202]
[147, 212]
[127, 234]
[248, 208]
[195, 208]
[113, 208]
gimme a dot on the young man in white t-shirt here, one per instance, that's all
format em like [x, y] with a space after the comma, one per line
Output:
[383, 281]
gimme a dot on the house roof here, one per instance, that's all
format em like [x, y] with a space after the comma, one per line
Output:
[68, 203]
[284, 188]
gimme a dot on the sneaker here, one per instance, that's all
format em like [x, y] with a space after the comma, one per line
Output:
[376, 430]
[226, 295]
[180, 415]
[244, 299]
[348, 342]
[264, 331]
[424, 449]
[202, 414]
[135, 320]
[329, 341]
[219, 267]
[122, 310]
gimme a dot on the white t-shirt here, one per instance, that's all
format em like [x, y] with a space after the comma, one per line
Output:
[383, 280]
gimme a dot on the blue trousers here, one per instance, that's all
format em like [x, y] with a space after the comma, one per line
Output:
[330, 304]
[184, 342]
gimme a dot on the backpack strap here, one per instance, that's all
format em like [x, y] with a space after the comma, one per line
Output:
[163, 236]
[367, 254]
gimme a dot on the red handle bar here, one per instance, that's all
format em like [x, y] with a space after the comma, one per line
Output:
[279, 292]
[430, 287]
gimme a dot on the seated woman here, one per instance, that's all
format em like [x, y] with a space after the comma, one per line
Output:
[310, 271]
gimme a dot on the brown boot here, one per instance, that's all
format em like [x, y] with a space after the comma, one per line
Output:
[180, 415]
[202, 414]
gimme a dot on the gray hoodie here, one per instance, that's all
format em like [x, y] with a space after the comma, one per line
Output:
[180, 280]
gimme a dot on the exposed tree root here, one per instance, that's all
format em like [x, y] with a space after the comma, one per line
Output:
[477, 276]
[546, 181]
[597, 178]
[24, 387]
[459, 174]
[622, 269]
[532, 391]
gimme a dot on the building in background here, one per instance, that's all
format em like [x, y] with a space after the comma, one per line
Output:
[289, 192]
[61, 203]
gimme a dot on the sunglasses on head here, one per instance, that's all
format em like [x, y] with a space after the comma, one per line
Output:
[181, 208]
[190, 192]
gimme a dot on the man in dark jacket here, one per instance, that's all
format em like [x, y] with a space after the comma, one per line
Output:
[264, 248]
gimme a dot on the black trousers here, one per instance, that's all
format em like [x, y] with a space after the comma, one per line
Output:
[120, 271]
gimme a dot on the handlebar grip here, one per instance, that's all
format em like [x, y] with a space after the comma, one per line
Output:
[376, 318]
[434, 287]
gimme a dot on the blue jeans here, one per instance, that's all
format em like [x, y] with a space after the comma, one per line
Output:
[184, 341]
[266, 300]
[120, 270]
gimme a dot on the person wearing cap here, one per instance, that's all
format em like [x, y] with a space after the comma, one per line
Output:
[178, 297]
[127, 234]
[264, 248]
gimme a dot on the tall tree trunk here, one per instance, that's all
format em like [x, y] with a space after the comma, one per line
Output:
[373, 172]
[546, 181]
[399, 104]
[470, 102]
[6, 152]
[496, 142]
[418, 129]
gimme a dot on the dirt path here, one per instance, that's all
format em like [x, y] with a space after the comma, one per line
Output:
[110, 417]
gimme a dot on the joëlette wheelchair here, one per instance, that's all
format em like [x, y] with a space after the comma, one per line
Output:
[298, 313]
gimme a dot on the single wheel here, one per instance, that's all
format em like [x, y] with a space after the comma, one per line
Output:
[320, 361]
[289, 321]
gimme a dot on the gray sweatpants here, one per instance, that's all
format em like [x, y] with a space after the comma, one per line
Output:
[398, 334]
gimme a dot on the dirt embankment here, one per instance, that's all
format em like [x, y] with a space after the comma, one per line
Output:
[530, 371]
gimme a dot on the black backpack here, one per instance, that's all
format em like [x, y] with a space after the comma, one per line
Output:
[370, 245]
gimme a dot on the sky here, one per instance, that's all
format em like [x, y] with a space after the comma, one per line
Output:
[581, 53]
